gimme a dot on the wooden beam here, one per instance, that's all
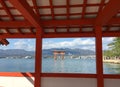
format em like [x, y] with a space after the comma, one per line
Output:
[6, 9]
[27, 12]
[82, 22]
[13, 24]
[65, 35]
[68, 22]
[108, 12]
[17, 35]
[111, 34]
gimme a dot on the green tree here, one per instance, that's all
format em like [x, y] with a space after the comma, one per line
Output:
[114, 47]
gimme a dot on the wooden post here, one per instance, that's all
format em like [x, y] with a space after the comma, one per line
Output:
[99, 61]
[38, 59]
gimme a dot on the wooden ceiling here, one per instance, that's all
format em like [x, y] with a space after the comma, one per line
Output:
[54, 18]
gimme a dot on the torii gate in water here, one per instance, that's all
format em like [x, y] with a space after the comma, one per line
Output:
[56, 52]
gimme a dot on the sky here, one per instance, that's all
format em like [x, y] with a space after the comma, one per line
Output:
[47, 43]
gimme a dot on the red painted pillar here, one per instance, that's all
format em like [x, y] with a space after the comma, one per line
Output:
[99, 61]
[38, 60]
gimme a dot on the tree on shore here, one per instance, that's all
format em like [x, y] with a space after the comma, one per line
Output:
[114, 48]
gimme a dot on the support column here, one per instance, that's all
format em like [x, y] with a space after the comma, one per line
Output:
[38, 59]
[99, 61]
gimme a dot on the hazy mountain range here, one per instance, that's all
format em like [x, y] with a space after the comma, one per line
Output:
[49, 52]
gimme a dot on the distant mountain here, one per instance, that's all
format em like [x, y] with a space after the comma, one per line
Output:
[16, 52]
[69, 51]
[49, 52]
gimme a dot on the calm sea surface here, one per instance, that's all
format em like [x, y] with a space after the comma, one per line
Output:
[59, 66]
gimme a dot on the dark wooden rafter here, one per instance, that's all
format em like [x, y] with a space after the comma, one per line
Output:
[60, 35]
[68, 12]
[6, 9]
[84, 8]
[62, 6]
[68, 29]
[31, 30]
[68, 8]
[36, 7]
[19, 30]
[106, 14]
[78, 22]
[23, 7]
[101, 6]
[52, 9]
[108, 28]
[7, 30]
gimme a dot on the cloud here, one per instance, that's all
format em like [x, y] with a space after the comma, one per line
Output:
[86, 43]
[106, 41]
[24, 44]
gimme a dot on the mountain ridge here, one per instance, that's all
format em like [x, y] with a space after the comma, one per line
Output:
[23, 53]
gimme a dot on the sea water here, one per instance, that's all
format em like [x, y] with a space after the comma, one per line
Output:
[49, 65]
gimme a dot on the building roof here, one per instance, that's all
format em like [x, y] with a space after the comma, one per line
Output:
[54, 18]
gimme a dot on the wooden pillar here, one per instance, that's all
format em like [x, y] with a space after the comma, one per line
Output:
[99, 61]
[38, 59]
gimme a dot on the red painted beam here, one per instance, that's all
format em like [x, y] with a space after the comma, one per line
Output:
[60, 35]
[13, 24]
[6, 9]
[82, 22]
[70, 75]
[17, 35]
[27, 12]
[65, 35]
[108, 12]
[17, 74]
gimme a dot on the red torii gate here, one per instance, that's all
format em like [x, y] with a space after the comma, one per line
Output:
[56, 52]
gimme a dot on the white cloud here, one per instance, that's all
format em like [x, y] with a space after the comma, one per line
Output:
[75, 43]
[106, 41]
[24, 44]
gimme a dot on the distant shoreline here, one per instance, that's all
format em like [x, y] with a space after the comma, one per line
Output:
[112, 61]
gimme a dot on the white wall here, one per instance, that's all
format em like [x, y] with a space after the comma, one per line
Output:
[56, 82]
[16, 82]
[68, 82]
[112, 82]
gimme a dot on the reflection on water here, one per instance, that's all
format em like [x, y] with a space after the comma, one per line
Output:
[68, 65]
[58, 66]
[49, 65]
[110, 68]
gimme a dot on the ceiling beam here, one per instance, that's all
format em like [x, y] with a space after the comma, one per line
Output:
[17, 35]
[108, 12]
[6, 9]
[27, 12]
[13, 24]
[82, 22]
